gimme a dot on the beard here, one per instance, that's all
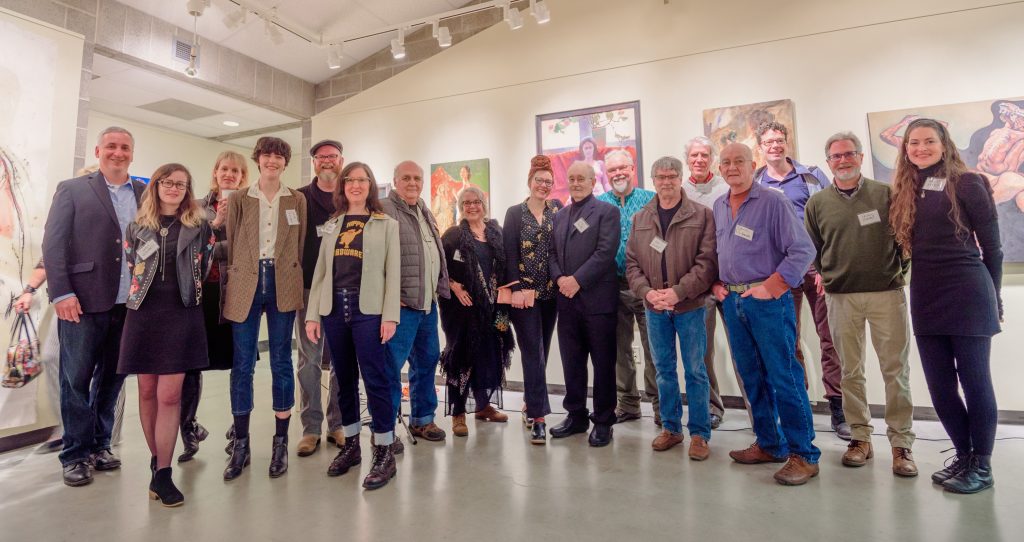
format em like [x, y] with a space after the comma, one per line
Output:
[620, 183]
[850, 175]
[329, 175]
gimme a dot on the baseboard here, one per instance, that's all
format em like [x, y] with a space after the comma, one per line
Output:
[20, 440]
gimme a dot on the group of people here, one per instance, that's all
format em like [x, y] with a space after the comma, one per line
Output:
[141, 274]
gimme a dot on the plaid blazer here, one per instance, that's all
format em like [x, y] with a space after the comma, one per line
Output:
[243, 254]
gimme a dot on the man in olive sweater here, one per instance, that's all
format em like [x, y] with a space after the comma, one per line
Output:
[862, 271]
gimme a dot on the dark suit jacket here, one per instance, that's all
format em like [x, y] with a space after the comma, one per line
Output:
[83, 243]
[589, 256]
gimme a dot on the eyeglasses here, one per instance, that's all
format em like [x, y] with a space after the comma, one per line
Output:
[356, 180]
[473, 203]
[672, 177]
[617, 169]
[839, 156]
[325, 157]
[544, 182]
[773, 142]
[179, 185]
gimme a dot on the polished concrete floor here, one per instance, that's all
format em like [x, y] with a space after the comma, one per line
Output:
[494, 485]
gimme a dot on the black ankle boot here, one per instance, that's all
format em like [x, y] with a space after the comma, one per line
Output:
[240, 458]
[279, 456]
[976, 477]
[383, 468]
[839, 425]
[954, 465]
[349, 456]
[162, 488]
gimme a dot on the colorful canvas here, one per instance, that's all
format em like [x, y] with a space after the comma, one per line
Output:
[738, 124]
[447, 179]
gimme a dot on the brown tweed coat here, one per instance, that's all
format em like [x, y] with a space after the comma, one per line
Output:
[243, 254]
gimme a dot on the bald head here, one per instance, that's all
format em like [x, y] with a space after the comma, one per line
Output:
[736, 163]
[581, 180]
[408, 181]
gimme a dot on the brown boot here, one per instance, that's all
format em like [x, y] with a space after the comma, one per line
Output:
[699, 450]
[754, 454]
[796, 472]
[459, 427]
[857, 453]
[665, 440]
[903, 462]
[308, 444]
[491, 414]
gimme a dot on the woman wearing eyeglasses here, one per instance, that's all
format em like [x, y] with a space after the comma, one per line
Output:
[168, 251]
[477, 330]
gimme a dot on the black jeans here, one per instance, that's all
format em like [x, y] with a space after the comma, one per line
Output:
[581, 335]
[534, 327]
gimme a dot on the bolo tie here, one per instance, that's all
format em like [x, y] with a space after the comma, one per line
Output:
[163, 251]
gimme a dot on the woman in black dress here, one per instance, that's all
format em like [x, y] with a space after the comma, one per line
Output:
[168, 249]
[944, 217]
[477, 330]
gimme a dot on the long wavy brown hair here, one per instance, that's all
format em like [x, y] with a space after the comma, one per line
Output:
[906, 186]
[149, 211]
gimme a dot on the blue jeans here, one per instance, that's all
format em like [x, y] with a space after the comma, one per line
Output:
[89, 383]
[662, 329]
[246, 334]
[762, 335]
[416, 340]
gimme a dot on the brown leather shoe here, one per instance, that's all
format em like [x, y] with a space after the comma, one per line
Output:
[903, 462]
[699, 450]
[430, 432]
[665, 440]
[753, 455]
[796, 472]
[308, 445]
[459, 427]
[491, 414]
[857, 453]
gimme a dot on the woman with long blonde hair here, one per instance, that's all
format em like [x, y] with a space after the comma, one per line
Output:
[944, 217]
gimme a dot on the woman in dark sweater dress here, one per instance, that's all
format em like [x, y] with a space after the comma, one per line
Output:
[945, 218]
[168, 250]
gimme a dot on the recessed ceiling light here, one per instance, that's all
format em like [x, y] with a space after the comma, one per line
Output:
[231, 123]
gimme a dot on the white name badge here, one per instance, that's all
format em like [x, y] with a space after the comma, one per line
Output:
[292, 216]
[868, 218]
[703, 188]
[658, 244]
[934, 184]
[744, 232]
[581, 225]
[458, 256]
[147, 249]
[775, 188]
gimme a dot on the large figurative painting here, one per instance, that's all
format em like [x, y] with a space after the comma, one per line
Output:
[738, 124]
[588, 135]
[990, 137]
[447, 179]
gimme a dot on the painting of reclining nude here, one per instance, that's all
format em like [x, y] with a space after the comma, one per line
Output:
[990, 137]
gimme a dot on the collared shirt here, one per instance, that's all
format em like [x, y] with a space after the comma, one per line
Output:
[269, 213]
[764, 238]
[843, 193]
[706, 193]
[633, 203]
[125, 207]
[431, 259]
[796, 189]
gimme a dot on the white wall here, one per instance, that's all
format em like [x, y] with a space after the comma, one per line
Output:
[836, 60]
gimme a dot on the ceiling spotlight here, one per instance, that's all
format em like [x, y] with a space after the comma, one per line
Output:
[272, 30]
[513, 17]
[398, 45]
[236, 18]
[230, 124]
[192, 70]
[441, 34]
[334, 55]
[539, 10]
[195, 9]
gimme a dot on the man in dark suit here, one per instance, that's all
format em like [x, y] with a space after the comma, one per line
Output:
[586, 237]
[83, 252]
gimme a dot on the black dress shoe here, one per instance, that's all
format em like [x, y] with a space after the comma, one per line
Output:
[569, 427]
[279, 456]
[77, 474]
[601, 435]
[539, 433]
[105, 460]
[240, 458]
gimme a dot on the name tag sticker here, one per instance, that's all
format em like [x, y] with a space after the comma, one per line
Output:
[744, 232]
[775, 188]
[581, 225]
[458, 256]
[703, 188]
[658, 244]
[147, 249]
[934, 184]
[868, 218]
[321, 230]
[292, 216]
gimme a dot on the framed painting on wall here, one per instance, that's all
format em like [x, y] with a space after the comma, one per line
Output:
[588, 135]
[990, 137]
[448, 178]
[738, 124]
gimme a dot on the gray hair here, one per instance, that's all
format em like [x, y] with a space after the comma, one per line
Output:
[704, 142]
[114, 130]
[843, 136]
[620, 152]
[667, 163]
[472, 189]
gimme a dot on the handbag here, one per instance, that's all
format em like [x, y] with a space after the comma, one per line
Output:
[23, 360]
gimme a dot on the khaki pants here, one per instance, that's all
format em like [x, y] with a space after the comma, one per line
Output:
[886, 314]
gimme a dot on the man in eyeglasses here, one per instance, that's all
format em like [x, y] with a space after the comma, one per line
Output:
[327, 164]
[799, 183]
[863, 272]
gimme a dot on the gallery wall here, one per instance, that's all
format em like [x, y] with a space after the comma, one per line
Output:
[836, 60]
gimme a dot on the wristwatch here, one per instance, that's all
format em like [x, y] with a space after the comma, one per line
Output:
[29, 290]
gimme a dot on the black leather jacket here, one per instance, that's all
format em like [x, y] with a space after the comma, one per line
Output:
[195, 254]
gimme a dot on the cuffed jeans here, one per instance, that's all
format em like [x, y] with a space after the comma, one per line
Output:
[886, 314]
[416, 340]
[662, 329]
[354, 340]
[246, 334]
[309, 371]
[631, 308]
[534, 327]
[831, 368]
[762, 335]
[89, 383]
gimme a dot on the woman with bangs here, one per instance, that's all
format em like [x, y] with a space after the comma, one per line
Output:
[168, 249]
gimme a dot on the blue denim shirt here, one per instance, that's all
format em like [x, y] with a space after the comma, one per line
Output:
[125, 206]
[634, 202]
[778, 242]
[796, 189]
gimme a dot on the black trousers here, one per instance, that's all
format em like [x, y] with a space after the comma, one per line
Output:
[581, 335]
[191, 392]
[534, 327]
[952, 362]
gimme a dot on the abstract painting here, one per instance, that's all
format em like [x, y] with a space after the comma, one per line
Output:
[738, 124]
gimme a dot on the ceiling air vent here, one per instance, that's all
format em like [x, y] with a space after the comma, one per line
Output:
[182, 49]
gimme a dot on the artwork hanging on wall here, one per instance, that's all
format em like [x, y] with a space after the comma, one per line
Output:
[990, 137]
[738, 124]
[588, 135]
[448, 178]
